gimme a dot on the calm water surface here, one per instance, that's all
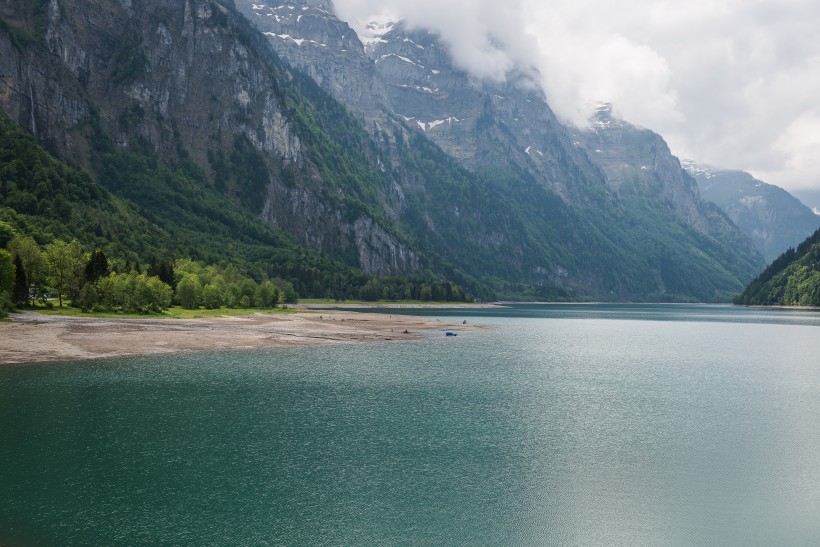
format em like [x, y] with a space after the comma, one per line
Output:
[561, 425]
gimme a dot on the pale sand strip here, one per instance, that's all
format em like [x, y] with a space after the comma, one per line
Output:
[30, 337]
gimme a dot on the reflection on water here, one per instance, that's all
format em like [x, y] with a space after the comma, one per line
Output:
[626, 425]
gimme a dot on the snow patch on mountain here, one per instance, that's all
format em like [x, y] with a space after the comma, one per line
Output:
[297, 41]
[695, 169]
[405, 59]
[373, 30]
[427, 126]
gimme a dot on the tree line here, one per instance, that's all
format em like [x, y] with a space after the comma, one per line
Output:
[64, 272]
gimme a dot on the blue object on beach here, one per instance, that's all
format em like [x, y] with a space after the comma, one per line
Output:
[451, 333]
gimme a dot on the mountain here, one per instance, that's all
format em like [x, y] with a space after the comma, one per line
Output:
[642, 237]
[191, 85]
[773, 218]
[364, 162]
[793, 279]
[188, 117]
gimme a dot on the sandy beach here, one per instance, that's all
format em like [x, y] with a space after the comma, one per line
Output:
[32, 337]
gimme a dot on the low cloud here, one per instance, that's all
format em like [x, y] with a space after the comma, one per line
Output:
[733, 83]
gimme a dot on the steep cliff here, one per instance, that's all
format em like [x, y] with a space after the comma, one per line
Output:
[309, 36]
[189, 81]
[631, 240]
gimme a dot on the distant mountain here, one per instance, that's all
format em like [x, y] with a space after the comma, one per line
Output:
[793, 279]
[773, 218]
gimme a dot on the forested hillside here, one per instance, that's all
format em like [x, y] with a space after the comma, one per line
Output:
[174, 216]
[793, 279]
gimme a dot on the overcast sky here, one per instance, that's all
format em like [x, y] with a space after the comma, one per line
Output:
[729, 83]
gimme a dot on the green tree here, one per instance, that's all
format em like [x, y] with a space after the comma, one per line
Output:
[163, 269]
[67, 267]
[88, 297]
[267, 295]
[109, 291]
[247, 290]
[189, 289]
[7, 233]
[161, 294]
[287, 291]
[32, 259]
[7, 276]
[213, 296]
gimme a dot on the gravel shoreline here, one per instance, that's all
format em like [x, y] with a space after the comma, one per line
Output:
[32, 337]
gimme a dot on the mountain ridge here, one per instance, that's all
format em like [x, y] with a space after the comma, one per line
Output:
[482, 125]
[192, 86]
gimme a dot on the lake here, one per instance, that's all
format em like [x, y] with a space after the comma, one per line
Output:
[557, 425]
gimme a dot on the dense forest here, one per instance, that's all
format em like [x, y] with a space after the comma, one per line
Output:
[793, 279]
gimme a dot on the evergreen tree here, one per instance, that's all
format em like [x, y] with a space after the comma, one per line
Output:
[96, 267]
[32, 261]
[163, 269]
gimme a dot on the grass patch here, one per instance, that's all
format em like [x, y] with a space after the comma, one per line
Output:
[172, 313]
[332, 302]
[182, 313]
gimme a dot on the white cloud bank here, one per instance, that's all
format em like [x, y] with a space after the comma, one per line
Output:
[731, 83]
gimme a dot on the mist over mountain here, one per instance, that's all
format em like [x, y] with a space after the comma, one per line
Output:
[487, 124]
[386, 158]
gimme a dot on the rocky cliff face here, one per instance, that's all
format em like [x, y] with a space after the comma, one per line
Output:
[309, 36]
[408, 75]
[639, 167]
[773, 218]
[178, 80]
[615, 172]
[482, 124]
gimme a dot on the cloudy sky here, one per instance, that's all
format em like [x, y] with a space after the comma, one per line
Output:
[729, 83]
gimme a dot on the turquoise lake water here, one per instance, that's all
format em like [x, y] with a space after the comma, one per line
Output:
[559, 425]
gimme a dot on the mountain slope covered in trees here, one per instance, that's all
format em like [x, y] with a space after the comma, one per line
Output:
[793, 279]
[43, 198]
